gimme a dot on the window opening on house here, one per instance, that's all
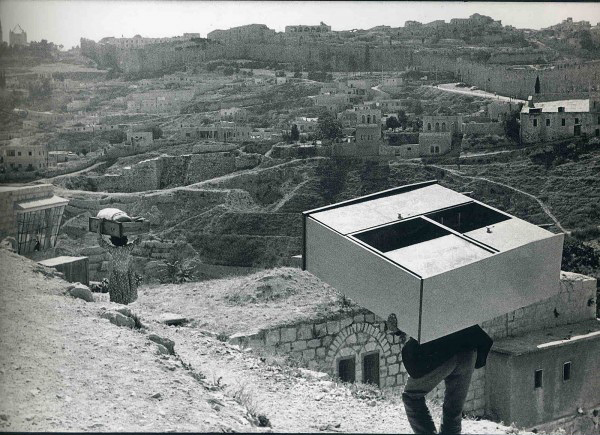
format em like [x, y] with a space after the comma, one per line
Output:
[371, 368]
[538, 377]
[535, 122]
[564, 122]
[567, 371]
[547, 122]
[347, 369]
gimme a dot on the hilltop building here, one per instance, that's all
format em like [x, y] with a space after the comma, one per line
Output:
[139, 41]
[223, 131]
[17, 37]
[248, 33]
[302, 28]
[553, 120]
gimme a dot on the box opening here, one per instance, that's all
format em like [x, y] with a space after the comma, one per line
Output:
[467, 217]
[401, 234]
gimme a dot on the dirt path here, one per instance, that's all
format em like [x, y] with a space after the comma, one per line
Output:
[535, 198]
[81, 171]
[63, 368]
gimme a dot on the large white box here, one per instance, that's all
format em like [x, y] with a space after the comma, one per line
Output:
[438, 259]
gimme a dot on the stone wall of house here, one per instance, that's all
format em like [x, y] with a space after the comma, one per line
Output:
[428, 140]
[320, 345]
[574, 303]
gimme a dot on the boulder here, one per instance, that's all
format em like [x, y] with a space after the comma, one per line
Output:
[125, 311]
[311, 374]
[81, 291]
[9, 243]
[118, 319]
[169, 344]
[173, 319]
[161, 350]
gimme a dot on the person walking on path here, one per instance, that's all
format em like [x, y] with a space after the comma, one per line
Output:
[122, 283]
[451, 359]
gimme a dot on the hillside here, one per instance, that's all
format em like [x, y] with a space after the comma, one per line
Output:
[64, 368]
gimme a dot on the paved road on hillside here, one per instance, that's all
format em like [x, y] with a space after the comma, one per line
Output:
[450, 87]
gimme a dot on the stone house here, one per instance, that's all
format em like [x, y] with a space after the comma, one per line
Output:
[357, 347]
[233, 114]
[553, 120]
[332, 102]
[17, 157]
[223, 131]
[140, 139]
[435, 143]
[442, 123]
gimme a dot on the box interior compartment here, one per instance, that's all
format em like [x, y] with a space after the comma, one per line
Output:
[401, 234]
[467, 217]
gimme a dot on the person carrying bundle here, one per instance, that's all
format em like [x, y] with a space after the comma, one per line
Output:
[122, 283]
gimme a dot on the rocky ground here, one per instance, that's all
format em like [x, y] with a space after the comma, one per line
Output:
[64, 367]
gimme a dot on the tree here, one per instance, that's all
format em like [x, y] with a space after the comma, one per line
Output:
[392, 123]
[156, 132]
[328, 127]
[402, 118]
[295, 134]
[511, 126]
[116, 136]
[537, 85]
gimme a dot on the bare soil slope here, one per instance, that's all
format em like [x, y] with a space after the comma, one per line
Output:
[62, 368]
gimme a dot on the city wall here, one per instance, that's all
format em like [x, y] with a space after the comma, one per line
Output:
[514, 81]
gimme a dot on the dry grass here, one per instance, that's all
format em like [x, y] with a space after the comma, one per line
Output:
[244, 394]
[265, 299]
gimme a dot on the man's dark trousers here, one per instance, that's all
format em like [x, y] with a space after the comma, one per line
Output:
[456, 373]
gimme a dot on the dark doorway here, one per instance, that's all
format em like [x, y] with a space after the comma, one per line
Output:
[577, 130]
[371, 368]
[347, 369]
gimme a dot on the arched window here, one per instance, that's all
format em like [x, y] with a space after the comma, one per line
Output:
[437, 126]
[363, 119]
[428, 126]
[443, 126]
[368, 119]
